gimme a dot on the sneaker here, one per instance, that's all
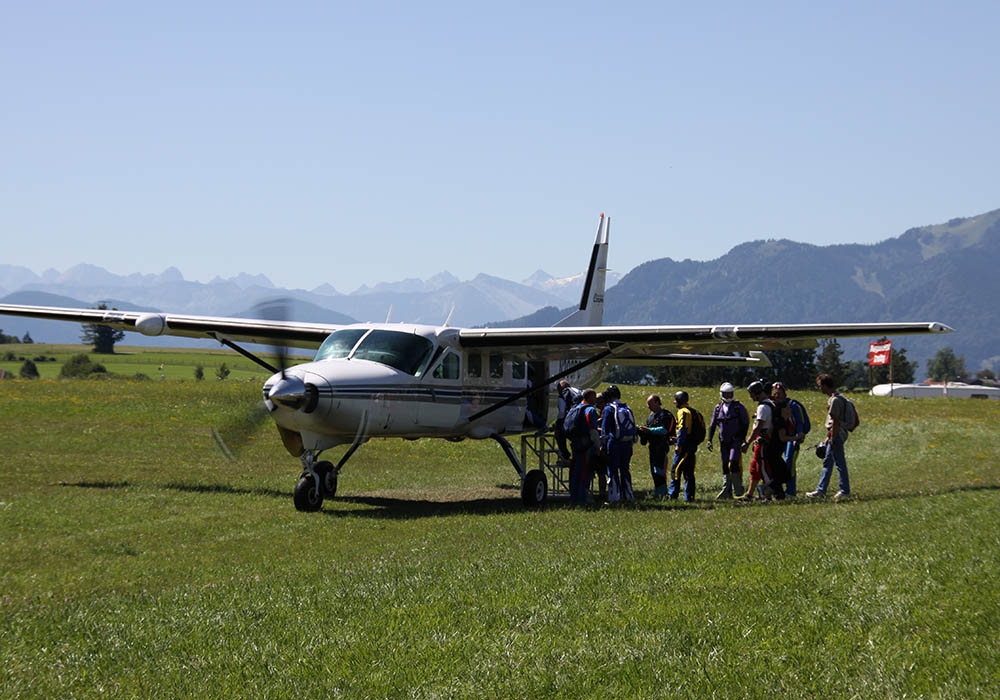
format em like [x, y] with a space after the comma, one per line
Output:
[841, 496]
[815, 494]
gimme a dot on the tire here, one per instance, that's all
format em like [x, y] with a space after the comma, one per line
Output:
[535, 489]
[305, 497]
[327, 477]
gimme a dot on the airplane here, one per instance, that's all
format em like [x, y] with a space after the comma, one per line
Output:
[401, 380]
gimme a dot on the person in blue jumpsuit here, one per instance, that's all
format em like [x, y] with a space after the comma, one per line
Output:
[619, 437]
[584, 441]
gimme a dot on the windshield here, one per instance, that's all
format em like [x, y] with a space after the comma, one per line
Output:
[339, 344]
[403, 351]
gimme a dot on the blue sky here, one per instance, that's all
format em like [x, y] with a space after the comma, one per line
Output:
[365, 142]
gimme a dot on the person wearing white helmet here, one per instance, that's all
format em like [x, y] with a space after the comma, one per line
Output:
[732, 420]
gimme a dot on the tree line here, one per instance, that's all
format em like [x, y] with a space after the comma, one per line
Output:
[798, 369]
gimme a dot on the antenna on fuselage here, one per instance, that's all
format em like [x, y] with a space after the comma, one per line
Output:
[388, 315]
[447, 321]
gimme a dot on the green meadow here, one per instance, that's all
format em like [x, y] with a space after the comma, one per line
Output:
[136, 563]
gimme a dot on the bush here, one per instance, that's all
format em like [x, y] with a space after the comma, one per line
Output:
[222, 372]
[199, 372]
[81, 366]
[141, 377]
[10, 357]
[29, 370]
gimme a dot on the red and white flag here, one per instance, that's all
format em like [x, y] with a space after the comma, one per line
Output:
[879, 353]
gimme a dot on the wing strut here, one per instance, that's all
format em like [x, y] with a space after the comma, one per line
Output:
[247, 354]
[542, 384]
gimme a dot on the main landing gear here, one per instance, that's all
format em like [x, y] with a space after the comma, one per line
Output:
[534, 486]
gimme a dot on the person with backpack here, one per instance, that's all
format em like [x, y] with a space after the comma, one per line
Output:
[619, 433]
[800, 419]
[581, 427]
[767, 467]
[690, 434]
[568, 396]
[841, 418]
[731, 418]
[660, 430]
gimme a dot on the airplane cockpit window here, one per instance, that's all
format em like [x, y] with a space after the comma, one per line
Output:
[403, 351]
[448, 368]
[496, 366]
[517, 369]
[474, 366]
[339, 344]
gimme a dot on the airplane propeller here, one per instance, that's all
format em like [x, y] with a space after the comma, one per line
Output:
[231, 436]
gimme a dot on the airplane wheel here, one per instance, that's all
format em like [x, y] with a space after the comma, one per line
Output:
[305, 495]
[535, 489]
[328, 477]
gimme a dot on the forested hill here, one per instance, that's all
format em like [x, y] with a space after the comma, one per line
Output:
[943, 273]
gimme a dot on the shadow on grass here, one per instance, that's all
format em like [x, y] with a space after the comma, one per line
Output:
[391, 508]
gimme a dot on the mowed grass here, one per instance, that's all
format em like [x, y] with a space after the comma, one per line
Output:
[136, 563]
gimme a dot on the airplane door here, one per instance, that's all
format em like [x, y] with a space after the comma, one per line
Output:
[538, 402]
[440, 409]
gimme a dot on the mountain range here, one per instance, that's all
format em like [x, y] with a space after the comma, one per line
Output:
[943, 272]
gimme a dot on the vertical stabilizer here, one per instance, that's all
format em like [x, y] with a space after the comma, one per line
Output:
[591, 309]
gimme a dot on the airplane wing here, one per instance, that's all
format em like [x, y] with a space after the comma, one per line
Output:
[633, 343]
[247, 330]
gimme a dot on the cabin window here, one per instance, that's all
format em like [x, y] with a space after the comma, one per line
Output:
[517, 369]
[496, 366]
[448, 368]
[339, 344]
[403, 351]
[474, 368]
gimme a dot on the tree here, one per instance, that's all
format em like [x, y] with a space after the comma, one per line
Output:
[986, 375]
[103, 338]
[222, 372]
[4, 339]
[828, 361]
[199, 372]
[81, 366]
[903, 371]
[946, 366]
[27, 338]
[29, 370]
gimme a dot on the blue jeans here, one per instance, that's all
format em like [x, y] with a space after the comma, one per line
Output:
[834, 455]
[791, 455]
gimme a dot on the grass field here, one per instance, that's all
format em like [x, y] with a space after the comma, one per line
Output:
[168, 363]
[136, 563]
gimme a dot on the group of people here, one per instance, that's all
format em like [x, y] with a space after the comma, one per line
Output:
[601, 430]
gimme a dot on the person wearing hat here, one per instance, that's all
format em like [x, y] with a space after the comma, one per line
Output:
[684, 455]
[731, 418]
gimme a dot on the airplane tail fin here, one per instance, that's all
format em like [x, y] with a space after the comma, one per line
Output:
[591, 310]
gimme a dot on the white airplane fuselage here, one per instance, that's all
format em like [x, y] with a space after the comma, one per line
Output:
[353, 394]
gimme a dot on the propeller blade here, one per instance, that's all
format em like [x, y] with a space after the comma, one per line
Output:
[276, 309]
[231, 435]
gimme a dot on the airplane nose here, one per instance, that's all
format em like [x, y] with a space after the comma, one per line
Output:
[288, 391]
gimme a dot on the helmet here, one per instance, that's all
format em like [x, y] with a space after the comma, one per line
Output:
[613, 392]
[726, 388]
[756, 388]
[681, 397]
